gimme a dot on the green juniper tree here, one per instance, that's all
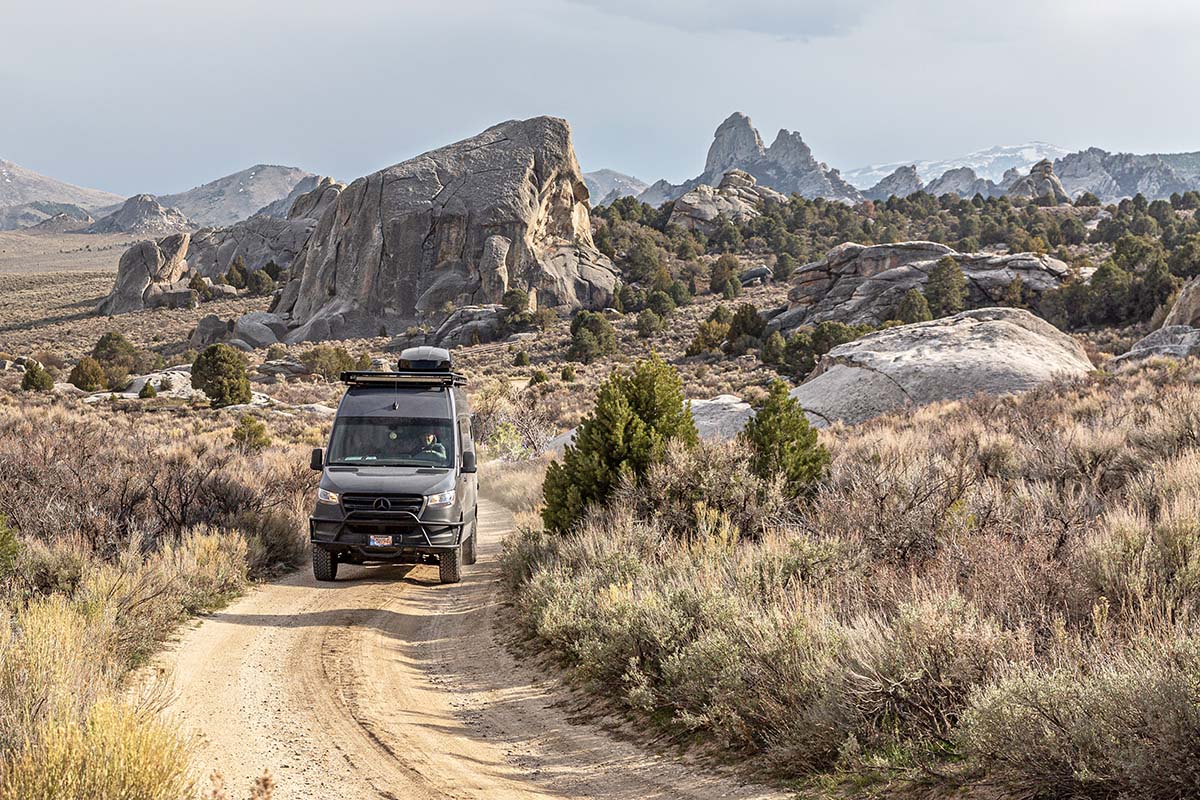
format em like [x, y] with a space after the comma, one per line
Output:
[635, 415]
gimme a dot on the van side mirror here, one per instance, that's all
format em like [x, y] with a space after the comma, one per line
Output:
[317, 461]
[468, 463]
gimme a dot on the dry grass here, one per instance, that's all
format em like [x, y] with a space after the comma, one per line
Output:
[993, 596]
[130, 518]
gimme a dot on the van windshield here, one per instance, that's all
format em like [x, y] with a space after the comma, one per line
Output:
[392, 441]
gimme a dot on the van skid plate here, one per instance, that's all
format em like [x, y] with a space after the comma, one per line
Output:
[389, 519]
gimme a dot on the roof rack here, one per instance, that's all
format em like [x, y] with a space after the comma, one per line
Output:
[405, 378]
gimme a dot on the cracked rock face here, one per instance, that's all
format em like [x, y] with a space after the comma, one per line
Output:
[1186, 309]
[148, 275]
[901, 183]
[1040, 181]
[456, 226]
[154, 273]
[141, 214]
[989, 350]
[739, 198]
[1171, 341]
[859, 284]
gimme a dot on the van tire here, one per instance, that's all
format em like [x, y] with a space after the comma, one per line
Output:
[469, 554]
[324, 563]
[450, 565]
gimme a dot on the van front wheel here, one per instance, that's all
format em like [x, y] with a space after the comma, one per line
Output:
[450, 565]
[324, 564]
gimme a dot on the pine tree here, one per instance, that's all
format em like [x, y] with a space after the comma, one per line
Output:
[220, 372]
[913, 308]
[636, 414]
[36, 379]
[946, 289]
[783, 443]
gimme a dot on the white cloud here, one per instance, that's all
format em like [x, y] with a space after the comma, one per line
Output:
[787, 19]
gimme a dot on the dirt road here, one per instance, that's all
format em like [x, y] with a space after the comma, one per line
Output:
[390, 685]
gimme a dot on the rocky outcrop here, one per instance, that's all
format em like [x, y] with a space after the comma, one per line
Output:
[738, 198]
[1172, 341]
[961, 181]
[901, 183]
[399, 246]
[858, 284]
[1186, 308]
[66, 216]
[1113, 176]
[989, 350]
[148, 275]
[262, 238]
[209, 253]
[1040, 182]
[142, 214]
[787, 166]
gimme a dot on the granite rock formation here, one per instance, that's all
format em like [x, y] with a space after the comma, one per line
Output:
[453, 227]
[901, 183]
[989, 350]
[142, 214]
[858, 284]
[738, 198]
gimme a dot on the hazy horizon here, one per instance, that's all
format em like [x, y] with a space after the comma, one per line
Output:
[134, 98]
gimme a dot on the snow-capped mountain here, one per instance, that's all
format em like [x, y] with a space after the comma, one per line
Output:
[989, 164]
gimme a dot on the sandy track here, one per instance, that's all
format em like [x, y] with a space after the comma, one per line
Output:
[390, 685]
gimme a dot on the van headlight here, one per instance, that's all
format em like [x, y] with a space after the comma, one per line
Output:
[326, 496]
[441, 500]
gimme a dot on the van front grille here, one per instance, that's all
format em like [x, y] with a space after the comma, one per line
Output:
[383, 502]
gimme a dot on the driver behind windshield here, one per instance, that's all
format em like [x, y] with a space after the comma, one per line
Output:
[432, 447]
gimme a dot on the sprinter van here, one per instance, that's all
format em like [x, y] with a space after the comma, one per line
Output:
[398, 482]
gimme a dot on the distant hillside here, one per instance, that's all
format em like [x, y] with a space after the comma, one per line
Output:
[606, 185]
[27, 215]
[236, 197]
[20, 186]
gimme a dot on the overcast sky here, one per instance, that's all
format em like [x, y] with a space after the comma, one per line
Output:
[151, 96]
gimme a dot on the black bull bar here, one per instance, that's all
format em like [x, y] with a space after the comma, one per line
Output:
[385, 518]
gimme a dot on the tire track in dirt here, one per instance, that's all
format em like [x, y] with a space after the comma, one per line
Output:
[386, 684]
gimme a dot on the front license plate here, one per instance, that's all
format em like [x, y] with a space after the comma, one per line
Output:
[381, 541]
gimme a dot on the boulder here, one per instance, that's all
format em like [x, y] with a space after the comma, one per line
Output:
[738, 199]
[859, 284]
[1173, 341]
[721, 418]
[171, 295]
[283, 368]
[1186, 309]
[1040, 182]
[398, 246]
[761, 274]
[210, 330]
[259, 329]
[988, 350]
[145, 264]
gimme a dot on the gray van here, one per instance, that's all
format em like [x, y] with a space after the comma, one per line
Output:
[398, 482]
